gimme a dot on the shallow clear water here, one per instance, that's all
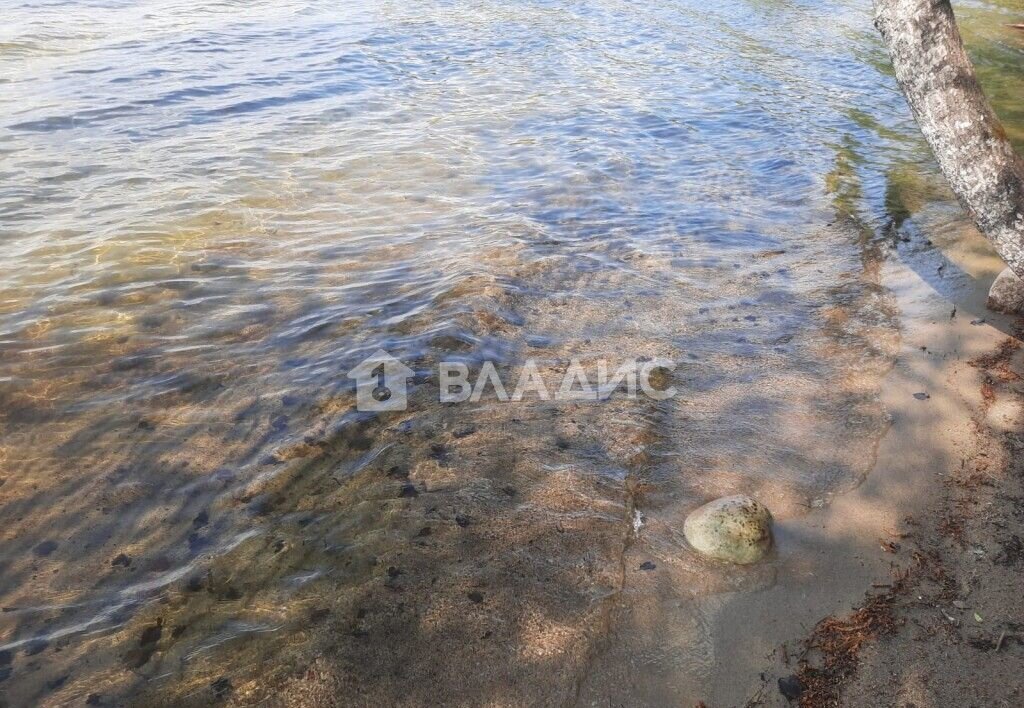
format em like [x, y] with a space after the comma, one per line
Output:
[211, 212]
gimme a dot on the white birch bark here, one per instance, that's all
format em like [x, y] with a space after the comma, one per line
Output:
[969, 143]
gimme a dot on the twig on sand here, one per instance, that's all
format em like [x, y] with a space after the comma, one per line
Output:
[952, 620]
[839, 641]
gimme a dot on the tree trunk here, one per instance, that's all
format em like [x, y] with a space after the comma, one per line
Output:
[971, 147]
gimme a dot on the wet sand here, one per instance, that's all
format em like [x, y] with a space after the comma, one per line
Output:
[897, 524]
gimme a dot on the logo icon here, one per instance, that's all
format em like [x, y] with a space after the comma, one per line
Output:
[381, 382]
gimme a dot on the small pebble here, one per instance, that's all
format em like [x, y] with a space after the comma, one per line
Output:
[45, 548]
[791, 687]
[152, 634]
[221, 687]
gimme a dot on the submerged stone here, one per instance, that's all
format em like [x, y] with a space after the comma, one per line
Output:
[1007, 293]
[735, 529]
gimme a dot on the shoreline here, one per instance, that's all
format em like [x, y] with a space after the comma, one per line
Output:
[868, 550]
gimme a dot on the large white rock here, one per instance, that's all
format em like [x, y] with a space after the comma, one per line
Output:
[736, 529]
[1007, 293]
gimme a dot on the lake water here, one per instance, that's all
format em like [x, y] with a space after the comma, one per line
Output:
[211, 211]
